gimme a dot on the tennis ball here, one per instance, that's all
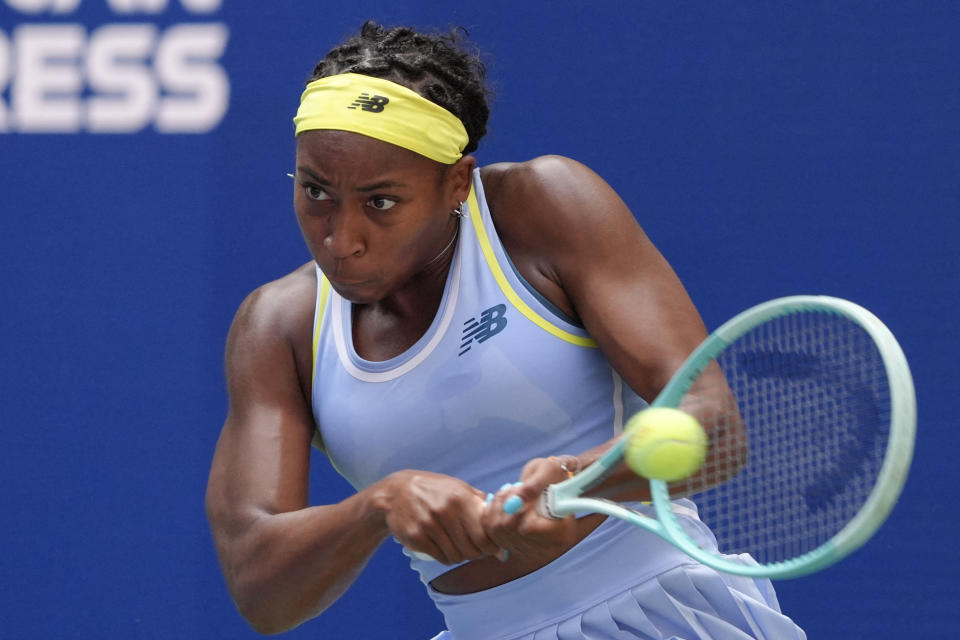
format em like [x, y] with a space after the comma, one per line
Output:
[665, 444]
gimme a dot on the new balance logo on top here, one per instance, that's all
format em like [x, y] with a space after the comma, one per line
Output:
[374, 104]
[491, 322]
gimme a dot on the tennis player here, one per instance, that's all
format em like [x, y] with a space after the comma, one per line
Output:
[459, 330]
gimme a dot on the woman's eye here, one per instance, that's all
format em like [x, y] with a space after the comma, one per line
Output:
[315, 193]
[381, 204]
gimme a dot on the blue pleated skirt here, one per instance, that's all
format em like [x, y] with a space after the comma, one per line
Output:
[620, 582]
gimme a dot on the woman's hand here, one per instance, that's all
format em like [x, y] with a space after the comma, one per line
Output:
[435, 514]
[526, 532]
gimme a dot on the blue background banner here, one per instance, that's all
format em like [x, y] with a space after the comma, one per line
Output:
[767, 148]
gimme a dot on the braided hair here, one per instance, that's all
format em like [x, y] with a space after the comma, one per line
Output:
[434, 66]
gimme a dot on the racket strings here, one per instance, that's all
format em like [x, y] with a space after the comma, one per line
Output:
[803, 403]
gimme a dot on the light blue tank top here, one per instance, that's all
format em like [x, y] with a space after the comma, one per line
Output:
[499, 377]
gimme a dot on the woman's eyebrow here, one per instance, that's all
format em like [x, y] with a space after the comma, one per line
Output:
[383, 184]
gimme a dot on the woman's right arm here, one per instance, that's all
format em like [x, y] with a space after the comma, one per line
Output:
[284, 561]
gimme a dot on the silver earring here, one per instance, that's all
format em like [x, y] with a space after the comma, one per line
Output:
[458, 210]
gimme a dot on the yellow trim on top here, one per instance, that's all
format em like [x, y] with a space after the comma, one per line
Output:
[512, 296]
[322, 297]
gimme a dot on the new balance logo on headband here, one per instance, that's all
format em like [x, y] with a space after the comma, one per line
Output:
[374, 104]
[492, 321]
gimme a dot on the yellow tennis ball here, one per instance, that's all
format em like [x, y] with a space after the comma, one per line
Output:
[665, 444]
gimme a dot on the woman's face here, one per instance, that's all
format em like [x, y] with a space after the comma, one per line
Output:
[373, 214]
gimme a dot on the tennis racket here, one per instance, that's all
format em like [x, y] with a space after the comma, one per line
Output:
[816, 397]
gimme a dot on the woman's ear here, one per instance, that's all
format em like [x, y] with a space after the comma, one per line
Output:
[460, 178]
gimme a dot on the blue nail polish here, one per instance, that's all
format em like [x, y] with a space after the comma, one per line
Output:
[513, 504]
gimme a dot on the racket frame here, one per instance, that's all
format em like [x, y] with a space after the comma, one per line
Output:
[566, 498]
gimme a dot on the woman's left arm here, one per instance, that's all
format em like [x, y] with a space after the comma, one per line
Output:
[576, 241]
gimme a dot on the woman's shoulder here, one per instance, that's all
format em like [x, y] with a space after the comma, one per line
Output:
[551, 184]
[280, 301]
[540, 174]
[546, 211]
[279, 313]
[552, 195]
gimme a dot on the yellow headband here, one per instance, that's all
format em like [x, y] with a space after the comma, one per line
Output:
[383, 110]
